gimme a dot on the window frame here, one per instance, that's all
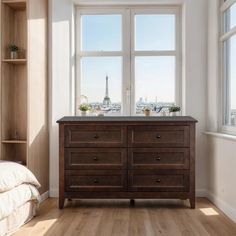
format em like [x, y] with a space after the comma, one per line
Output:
[224, 97]
[128, 53]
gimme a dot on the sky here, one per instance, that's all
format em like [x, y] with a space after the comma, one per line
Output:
[154, 76]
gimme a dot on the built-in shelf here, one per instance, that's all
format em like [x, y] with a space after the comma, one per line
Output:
[15, 61]
[16, 4]
[14, 141]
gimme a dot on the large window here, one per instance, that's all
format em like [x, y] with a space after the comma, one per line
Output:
[128, 59]
[228, 42]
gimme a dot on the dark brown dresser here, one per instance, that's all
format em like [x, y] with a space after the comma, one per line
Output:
[127, 157]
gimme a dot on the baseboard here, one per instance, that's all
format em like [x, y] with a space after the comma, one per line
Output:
[54, 192]
[201, 193]
[43, 197]
[222, 205]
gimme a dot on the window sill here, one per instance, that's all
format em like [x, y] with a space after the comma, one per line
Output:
[221, 135]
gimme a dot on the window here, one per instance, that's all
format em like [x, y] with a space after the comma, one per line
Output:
[127, 60]
[228, 42]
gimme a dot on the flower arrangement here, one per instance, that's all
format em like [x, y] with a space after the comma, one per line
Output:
[84, 107]
[174, 110]
[13, 48]
[147, 111]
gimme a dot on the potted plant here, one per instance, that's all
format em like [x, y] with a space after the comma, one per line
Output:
[174, 110]
[83, 109]
[147, 111]
[13, 50]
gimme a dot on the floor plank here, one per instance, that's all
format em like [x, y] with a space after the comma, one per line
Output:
[117, 218]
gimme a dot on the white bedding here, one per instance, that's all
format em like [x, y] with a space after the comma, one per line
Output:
[13, 175]
[18, 217]
[13, 199]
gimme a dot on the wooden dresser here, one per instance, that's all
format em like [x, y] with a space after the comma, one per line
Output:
[127, 157]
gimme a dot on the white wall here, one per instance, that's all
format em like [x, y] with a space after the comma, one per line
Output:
[221, 157]
[194, 73]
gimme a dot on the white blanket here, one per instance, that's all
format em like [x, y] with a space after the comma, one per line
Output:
[13, 175]
[15, 198]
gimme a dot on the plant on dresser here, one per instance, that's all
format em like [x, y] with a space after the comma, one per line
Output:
[127, 157]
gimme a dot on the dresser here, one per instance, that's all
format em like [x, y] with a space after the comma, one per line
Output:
[127, 158]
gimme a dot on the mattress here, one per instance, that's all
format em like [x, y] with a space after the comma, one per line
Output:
[17, 218]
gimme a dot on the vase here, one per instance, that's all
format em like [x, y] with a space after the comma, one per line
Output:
[83, 113]
[14, 55]
[147, 113]
[174, 113]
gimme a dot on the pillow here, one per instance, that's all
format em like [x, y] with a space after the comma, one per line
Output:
[13, 174]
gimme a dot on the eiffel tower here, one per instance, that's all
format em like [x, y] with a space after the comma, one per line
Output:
[107, 100]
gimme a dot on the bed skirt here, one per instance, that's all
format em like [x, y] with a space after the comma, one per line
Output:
[19, 217]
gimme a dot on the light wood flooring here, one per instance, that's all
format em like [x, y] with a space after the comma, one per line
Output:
[116, 217]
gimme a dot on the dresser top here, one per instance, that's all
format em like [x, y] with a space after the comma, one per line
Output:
[72, 119]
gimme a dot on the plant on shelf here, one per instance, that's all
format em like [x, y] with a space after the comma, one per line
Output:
[13, 50]
[84, 108]
[147, 111]
[174, 110]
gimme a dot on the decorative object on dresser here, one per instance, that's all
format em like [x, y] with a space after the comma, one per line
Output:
[127, 157]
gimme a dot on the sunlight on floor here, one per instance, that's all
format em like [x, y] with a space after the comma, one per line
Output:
[209, 211]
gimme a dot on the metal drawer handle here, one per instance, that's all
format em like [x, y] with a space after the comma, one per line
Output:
[96, 136]
[96, 181]
[158, 158]
[95, 159]
[158, 136]
[158, 181]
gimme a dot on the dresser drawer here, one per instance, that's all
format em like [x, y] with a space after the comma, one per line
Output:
[95, 136]
[95, 180]
[95, 158]
[158, 136]
[158, 158]
[150, 180]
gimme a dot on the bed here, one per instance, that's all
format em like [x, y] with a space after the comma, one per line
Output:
[19, 196]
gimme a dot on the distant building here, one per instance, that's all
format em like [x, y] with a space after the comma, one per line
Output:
[107, 100]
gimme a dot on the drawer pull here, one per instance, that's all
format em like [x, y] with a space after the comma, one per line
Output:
[158, 136]
[158, 181]
[95, 136]
[96, 181]
[158, 158]
[95, 159]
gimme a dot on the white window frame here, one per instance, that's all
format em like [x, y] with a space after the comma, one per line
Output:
[224, 36]
[128, 53]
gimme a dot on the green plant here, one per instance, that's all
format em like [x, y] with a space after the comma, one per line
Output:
[147, 109]
[84, 107]
[13, 48]
[174, 109]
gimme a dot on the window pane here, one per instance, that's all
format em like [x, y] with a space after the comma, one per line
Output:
[101, 83]
[154, 32]
[230, 103]
[101, 32]
[230, 18]
[154, 82]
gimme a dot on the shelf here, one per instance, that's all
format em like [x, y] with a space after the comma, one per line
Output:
[15, 4]
[15, 61]
[14, 142]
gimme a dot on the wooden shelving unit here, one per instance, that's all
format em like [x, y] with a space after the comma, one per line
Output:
[15, 61]
[24, 125]
[15, 4]
[14, 141]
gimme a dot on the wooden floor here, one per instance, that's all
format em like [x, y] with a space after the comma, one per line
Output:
[113, 218]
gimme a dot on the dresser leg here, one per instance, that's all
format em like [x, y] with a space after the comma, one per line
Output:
[192, 202]
[61, 202]
[132, 202]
